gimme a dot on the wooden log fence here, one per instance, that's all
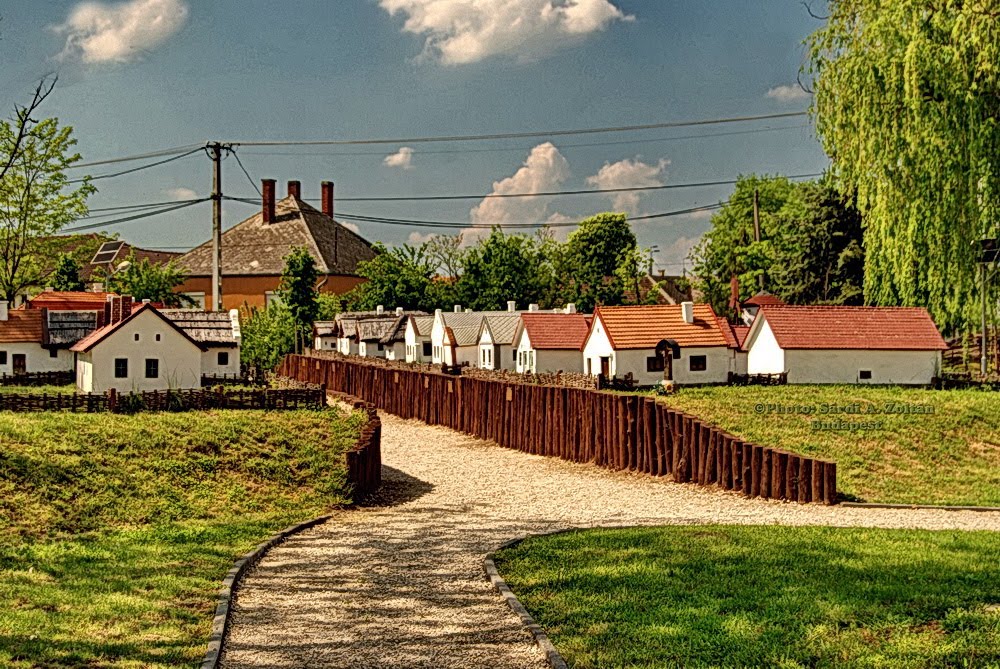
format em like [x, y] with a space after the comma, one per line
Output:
[167, 400]
[615, 431]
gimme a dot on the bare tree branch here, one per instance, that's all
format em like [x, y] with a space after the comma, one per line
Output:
[24, 122]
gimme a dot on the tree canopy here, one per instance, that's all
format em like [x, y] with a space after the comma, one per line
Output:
[67, 274]
[502, 268]
[144, 280]
[908, 108]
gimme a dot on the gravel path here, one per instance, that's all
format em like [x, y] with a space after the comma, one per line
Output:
[401, 584]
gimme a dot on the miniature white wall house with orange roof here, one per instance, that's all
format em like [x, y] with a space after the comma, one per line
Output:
[682, 343]
[550, 342]
[839, 344]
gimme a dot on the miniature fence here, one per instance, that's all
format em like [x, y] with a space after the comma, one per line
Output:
[38, 379]
[166, 400]
[615, 431]
[779, 379]
[364, 461]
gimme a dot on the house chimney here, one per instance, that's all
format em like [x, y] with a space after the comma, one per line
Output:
[3, 310]
[268, 192]
[380, 310]
[126, 306]
[458, 308]
[116, 309]
[437, 312]
[399, 311]
[687, 311]
[295, 189]
[511, 306]
[532, 307]
[326, 196]
[571, 308]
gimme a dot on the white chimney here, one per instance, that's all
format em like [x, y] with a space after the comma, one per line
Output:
[3, 310]
[687, 311]
[399, 311]
[380, 310]
[468, 310]
[458, 308]
[98, 287]
[571, 308]
[437, 312]
[532, 307]
[511, 305]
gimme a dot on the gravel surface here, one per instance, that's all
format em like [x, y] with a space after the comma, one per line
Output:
[401, 584]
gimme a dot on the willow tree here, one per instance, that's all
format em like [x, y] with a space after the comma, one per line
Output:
[907, 103]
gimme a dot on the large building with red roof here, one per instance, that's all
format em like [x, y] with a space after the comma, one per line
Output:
[682, 343]
[839, 344]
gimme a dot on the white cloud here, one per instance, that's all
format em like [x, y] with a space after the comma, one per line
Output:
[353, 227]
[628, 173]
[465, 31]
[417, 238]
[181, 193]
[402, 159]
[788, 93]
[544, 170]
[98, 32]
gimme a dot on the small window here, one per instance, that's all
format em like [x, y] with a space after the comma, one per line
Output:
[3, 357]
[223, 359]
[427, 348]
[53, 353]
[514, 355]
[381, 347]
[865, 375]
[152, 368]
[157, 336]
[136, 335]
[699, 363]
[654, 363]
[121, 368]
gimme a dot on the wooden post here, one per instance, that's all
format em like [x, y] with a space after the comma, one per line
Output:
[765, 473]
[830, 483]
[805, 476]
[816, 494]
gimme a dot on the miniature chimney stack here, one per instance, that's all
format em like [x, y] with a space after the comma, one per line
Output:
[687, 311]
[268, 196]
[295, 189]
[511, 306]
[326, 197]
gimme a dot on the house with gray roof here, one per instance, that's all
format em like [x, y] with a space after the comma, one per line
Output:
[456, 335]
[496, 340]
[217, 332]
[417, 339]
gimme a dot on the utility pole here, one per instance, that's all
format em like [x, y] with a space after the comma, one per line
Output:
[756, 225]
[215, 152]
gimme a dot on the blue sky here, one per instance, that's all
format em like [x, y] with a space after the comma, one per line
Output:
[144, 75]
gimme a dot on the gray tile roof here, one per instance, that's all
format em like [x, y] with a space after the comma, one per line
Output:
[257, 248]
[373, 329]
[503, 326]
[68, 327]
[423, 325]
[205, 327]
[325, 328]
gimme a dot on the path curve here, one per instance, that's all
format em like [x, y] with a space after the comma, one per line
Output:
[400, 584]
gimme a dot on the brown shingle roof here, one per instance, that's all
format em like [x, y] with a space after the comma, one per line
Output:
[22, 327]
[762, 298]
[97, 336]
[863, 328]
[68, 301]
[646, 326]
[209, 327]
[556, 331]
[257, 248]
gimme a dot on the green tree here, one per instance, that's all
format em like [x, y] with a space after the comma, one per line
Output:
[810, 249]
[907, 101]
[36, 198]
[144, 280]
[593, 266]
[67, 274]
[268, 335]
[298, 292]
[401, 276]
[504, 267]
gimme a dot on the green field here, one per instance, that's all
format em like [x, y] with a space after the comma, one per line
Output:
[116, 531]
[950, 456]
[722, 596]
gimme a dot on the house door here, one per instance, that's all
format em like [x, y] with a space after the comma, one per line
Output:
[19, 363]
[605, 366]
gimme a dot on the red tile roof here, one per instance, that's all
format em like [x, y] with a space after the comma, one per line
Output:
[728, 332]
[646, 326]
[68, 301]
[762, 298]
[741, 332]
[871, 328]
[23, 327]
[556, 331]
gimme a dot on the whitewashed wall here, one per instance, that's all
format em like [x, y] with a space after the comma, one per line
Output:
[396, 351]
[36, 358]
[414, 345]
[764, 356]
[210, 361]
[844, 366]
[326, 343]
[596, 346]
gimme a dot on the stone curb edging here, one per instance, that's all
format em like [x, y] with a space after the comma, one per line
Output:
[918, 507]
[222, 619]
[552, 656]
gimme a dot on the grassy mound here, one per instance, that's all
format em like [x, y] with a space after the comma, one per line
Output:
[948, 456]
[763, 596]
[116, 531]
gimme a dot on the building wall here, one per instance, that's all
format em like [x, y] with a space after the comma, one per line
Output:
[347, 346]
[328, 343]
[252, 290]
[597, 346]
[396, 351]
[36, 358]
[414, 345]
[210, 361]
[487, 357]
[84, 373]
[371, 349]
[440, 353]
[844, 366]
[179, 360]
[764, 356]
[738, 361]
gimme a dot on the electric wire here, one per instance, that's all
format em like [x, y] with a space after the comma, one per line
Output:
[134, 169]
[142, 156]
[136, 217]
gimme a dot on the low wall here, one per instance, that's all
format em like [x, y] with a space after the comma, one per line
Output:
[166, 400]
[622, 432]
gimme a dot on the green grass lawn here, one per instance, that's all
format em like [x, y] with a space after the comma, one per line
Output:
[722, 596]
[116, 531]
[37, 390]
[950, 456]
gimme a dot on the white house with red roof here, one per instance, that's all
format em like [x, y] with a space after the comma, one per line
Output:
[550, 342]
[838, 344]
[682, 343]
[138, 350]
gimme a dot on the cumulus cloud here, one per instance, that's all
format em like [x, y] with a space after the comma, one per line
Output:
[788, 93]
[417, 238]
[181, 193]
[465, 31]
[544, 170]
[628, 173]
[402, 159]
[353, 227]
[99, 32]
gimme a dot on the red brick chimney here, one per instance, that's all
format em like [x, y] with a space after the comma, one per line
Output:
[327, 197]
[126, 306]
[268, 192]
[295, 189]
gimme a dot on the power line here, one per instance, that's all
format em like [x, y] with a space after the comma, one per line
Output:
[249, 178]
[142, 156]
[136, 217]
[147, 205]
[523, 135]
[135, 169]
